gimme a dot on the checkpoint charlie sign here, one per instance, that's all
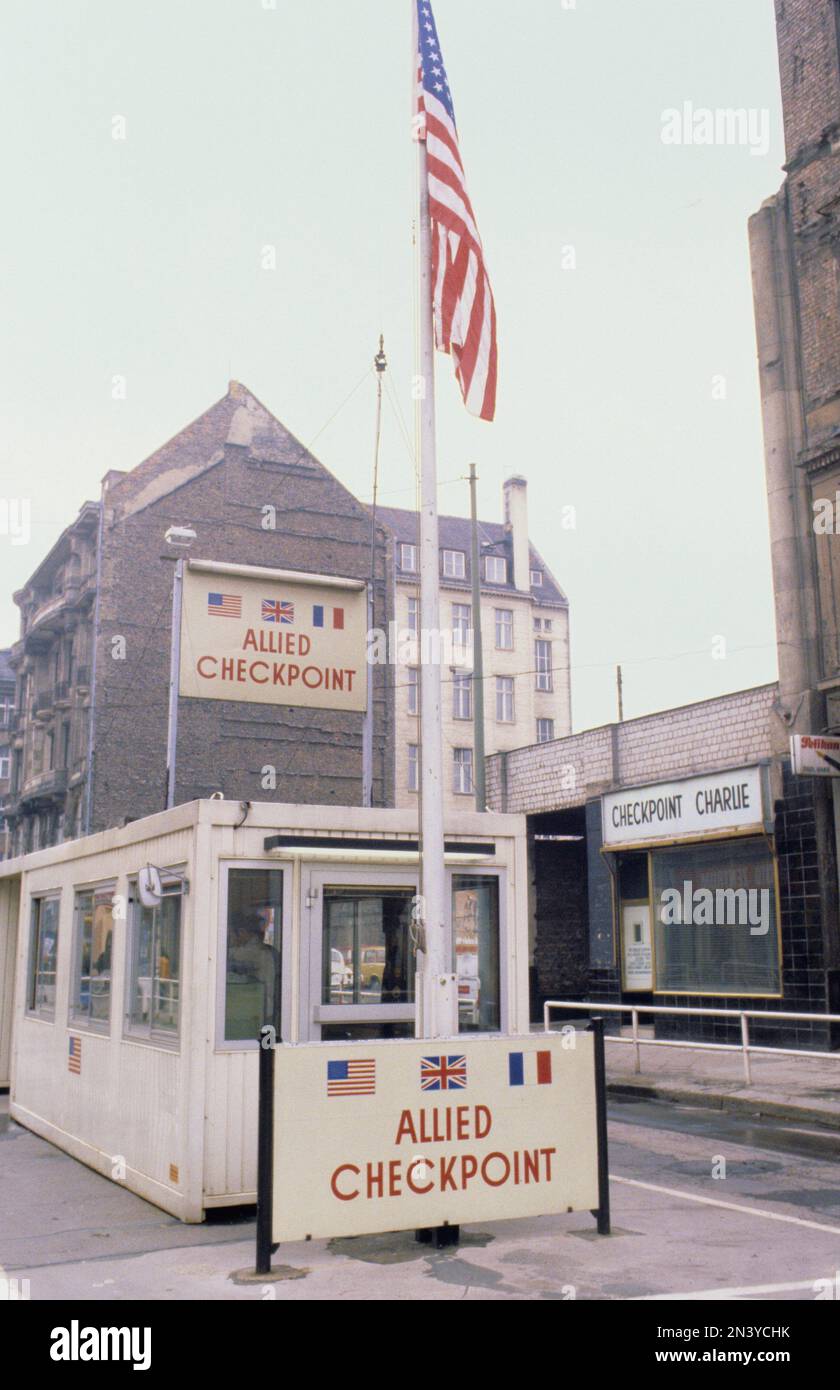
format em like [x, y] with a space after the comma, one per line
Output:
[713, 804]
[391, 1136]
[273, 637]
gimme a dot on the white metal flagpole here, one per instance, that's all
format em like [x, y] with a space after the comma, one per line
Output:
[439, 997]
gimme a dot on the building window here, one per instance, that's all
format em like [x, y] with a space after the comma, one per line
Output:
[536, 579]
[542, 624]
[454, 564]
[413, 767]
[545, 730]
[367, 954]
[65, 745]
[93, 935]
[43, 957]
[462, 765]
[715, 919]
[504, 700]
[154, 967]
[504, 629]
[462, 624]
[413, 614]
[253, 953]
[5, 766]
[475, 930]
[7, 708]
[542, 663]
[408, 557]
[495, 569]
[462, 697]
[411, 674]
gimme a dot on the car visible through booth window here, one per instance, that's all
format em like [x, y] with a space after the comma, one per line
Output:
[367, 953]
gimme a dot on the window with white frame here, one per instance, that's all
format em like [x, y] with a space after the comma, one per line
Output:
[253, 952]
[462, 624]
[413, 689]
[413, 613]
[154, 965]
[454, 564]
[504, 629]
[93, 937]
[413, 767]
[504, 700]
[536, 579]
[462, 687]
[545, 730]
[495, 569]
[408, 557]
[462, 771]
[43, 957]
[542, 663]
[5, 766]
[475, 933]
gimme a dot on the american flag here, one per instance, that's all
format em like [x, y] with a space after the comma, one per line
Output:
[443, 1073]
[74, 1056]
[357, 1078]
[276, 610]
[464, 310]
[224, 605]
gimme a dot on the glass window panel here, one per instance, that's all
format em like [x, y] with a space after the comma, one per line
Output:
[475, 931]
[91, 987]
[254, 952]
[715, 928]
[154, 988]
[43, 956]
[367, 953]
[504, 628]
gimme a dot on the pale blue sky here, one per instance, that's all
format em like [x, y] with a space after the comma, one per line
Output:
[249, 126]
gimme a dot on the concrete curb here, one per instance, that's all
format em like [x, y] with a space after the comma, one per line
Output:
[738, 1105]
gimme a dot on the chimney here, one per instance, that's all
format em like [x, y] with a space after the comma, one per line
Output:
[516, 521]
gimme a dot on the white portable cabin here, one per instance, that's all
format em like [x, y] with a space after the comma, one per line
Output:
[133, 1035]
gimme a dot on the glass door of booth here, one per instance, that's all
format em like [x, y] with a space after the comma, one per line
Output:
[254, 945]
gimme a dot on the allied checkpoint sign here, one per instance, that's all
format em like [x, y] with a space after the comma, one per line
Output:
[389, 1136]
[273, 637]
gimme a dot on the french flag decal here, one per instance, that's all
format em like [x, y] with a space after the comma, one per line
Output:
[320, 617]
[529, 1068]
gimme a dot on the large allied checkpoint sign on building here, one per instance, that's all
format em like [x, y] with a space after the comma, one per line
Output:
[391, 1136]
[273, 637]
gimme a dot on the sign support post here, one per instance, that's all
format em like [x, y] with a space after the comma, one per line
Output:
[174, 677]
[602, 1211]
[265, 1151]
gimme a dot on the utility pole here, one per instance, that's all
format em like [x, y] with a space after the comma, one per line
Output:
[380, 362]
[620, 688]
[478, 655]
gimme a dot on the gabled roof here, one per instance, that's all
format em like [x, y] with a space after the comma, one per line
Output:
[239, 419]
[455, 533]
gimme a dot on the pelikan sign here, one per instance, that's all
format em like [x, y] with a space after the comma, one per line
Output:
[689, 809]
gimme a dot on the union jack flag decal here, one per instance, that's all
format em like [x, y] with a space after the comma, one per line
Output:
[277, 611]
[443, 1073]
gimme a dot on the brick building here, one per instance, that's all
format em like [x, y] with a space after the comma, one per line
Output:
[619, 813]
[795, 245]
[92, 662]
[525, 642]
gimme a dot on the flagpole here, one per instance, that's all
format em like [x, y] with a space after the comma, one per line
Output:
[438, 994]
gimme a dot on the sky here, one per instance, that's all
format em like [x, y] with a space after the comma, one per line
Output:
[252, 220]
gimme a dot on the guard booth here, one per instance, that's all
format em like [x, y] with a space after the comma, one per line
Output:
[138, 995]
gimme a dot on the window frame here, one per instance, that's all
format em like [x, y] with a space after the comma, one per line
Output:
[413, 689]
[221, 1043]
[550, 738]
[458, 766]
[536, 579]
[457, 629]
[145, 1036]
[462, 684]
[44, 1013]
[500, 627]
[500, 874]
[412, 617]
[459, 571]
[415, 764]
[547, 674]
[75, 1022]
[490, 560]
[403, 547]
[505, 689]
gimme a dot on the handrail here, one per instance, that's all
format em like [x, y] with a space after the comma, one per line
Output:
[740, 1015]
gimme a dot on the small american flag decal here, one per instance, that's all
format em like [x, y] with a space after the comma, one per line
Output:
[356, 1078]
[74, 1056]
[224, 605]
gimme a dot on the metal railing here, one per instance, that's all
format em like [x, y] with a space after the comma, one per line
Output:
[743, 1016]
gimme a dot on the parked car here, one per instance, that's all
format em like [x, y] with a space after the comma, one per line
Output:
[341, 977]
[372, 967]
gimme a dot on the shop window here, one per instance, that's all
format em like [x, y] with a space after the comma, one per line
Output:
[43, 957]
[154, 1000]
[715, 922]
[253, 952]
[367, 952]
[475, 932]
[93, 935]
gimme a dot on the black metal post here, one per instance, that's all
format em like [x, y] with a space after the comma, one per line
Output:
[602, 1212]
[265, 1151]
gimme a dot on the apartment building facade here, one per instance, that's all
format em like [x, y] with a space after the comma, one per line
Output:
[525, 642]
[89, 736]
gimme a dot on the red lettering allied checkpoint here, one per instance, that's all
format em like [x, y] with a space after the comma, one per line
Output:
[446, 1173]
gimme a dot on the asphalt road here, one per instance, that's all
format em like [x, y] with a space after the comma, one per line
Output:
[705, 1205]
